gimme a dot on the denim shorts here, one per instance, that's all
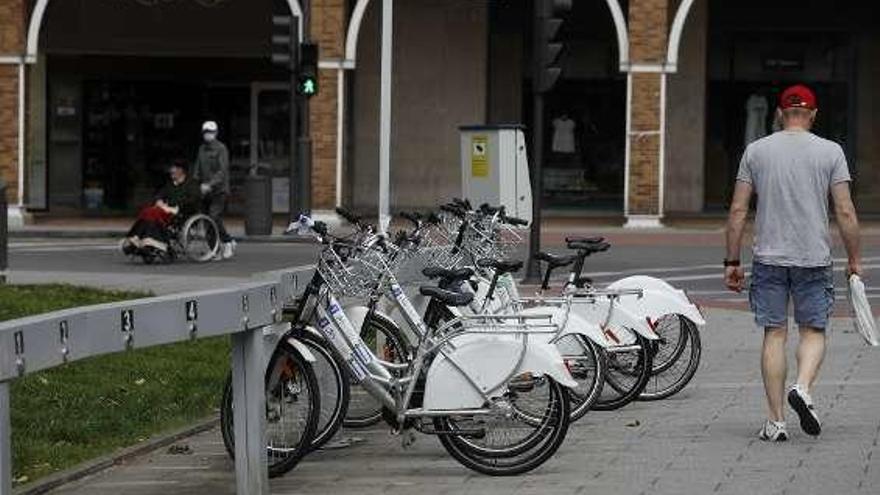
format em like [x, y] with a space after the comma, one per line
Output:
[810, 289]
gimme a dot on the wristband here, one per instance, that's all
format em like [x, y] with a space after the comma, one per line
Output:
[733, 263]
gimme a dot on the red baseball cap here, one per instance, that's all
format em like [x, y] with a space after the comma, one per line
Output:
[797, 96]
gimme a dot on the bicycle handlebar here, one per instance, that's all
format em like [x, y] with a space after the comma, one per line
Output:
[415, 218]
[348, 215]
[515, 221]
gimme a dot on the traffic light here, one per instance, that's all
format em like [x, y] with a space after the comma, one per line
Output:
[285, 41]
[307, 81]
[547, 47]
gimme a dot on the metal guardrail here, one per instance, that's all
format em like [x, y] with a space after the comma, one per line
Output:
[246, 311]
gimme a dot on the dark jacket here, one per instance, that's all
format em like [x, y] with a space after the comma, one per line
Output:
[185, 196]
[212, 167]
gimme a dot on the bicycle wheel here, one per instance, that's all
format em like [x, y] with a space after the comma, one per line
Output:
[671, 378]
[200, 238]
[388, 343]
[587, 367]
[333, 383]
[520, 436]
[673, 340]
[292, 410]
[626, 375]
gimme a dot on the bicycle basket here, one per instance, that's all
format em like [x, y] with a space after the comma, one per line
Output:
[352, 271]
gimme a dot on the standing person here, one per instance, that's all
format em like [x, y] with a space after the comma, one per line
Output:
[792, 172]
[212, 169]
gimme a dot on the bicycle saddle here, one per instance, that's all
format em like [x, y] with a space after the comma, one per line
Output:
[501, 266]
[585, 240]
[589, 247]
[451, 275]
[554, 260]
[447, 297]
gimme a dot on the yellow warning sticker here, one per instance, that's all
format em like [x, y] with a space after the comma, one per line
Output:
[479, 156]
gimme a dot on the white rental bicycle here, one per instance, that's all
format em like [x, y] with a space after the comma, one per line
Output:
[489, 386]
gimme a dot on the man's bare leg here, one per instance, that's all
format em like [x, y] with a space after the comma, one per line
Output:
[810, 353]
[773, 369]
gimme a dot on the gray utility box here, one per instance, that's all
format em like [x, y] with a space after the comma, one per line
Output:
[495, 168]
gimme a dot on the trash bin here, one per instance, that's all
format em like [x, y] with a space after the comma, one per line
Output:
[258, 204]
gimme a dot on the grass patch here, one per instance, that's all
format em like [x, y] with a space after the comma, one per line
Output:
[69, 414]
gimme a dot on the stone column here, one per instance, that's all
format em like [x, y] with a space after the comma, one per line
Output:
[646, 86]
[329, 25]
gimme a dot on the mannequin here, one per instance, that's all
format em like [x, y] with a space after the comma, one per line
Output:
[563, 134]
[756, 118]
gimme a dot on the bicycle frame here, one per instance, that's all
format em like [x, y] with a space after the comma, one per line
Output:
[471, 394]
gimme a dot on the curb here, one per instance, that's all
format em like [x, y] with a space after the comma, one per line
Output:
[119, 234]
[103, 463]
[65, 234]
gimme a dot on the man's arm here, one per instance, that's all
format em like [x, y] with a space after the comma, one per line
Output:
[734, 277]
[848, 223]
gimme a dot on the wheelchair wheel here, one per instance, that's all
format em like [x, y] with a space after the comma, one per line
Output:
[200, 238]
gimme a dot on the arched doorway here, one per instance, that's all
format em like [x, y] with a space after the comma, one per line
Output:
[585, 113]
[754, 49]
[124, 85]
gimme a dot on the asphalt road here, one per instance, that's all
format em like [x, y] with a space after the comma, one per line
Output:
[687, 260]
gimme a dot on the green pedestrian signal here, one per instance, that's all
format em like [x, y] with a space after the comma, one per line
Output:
[308, 86]
[307, 82]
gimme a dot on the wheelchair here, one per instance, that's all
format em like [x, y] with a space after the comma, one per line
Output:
[195, 238]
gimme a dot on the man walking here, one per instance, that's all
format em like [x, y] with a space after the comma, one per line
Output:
[792, 172]
[212, 170]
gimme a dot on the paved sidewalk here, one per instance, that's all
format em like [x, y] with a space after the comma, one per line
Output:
[700, 442]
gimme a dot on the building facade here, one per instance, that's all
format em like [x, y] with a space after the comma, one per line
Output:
[657, 100]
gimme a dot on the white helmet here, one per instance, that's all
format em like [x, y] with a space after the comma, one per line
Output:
[209, 126]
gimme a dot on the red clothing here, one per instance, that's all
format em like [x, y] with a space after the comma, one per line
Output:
[154, 214]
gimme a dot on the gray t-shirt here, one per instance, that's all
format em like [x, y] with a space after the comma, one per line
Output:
[792, 173]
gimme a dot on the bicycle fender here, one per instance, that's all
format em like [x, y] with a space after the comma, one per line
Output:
[617, 324]
[575, 324]
[669, 300]
[488, 361]
[654, 305]
[302, 349]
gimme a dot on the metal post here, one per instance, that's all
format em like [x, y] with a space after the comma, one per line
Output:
[305, 138]
[304, 147]
[22, 115]
[533, 269]
[249, 413]
[385, 116]
[293, 157]
[5, 441]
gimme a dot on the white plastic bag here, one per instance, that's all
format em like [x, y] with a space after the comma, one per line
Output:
[863, 318]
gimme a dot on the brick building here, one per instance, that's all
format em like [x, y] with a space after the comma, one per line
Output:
[657, 100]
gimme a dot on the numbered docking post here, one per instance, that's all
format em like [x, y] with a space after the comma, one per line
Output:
[249, 413]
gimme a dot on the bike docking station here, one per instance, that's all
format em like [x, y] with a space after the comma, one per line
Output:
[251, 313]
[495, 168]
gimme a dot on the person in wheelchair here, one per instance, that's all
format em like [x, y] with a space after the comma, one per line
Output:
[177, 200]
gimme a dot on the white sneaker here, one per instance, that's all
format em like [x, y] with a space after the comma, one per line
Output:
[228, 250]
[802, 403]
[773, 431]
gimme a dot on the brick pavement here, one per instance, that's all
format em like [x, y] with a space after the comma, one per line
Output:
[700, 442]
